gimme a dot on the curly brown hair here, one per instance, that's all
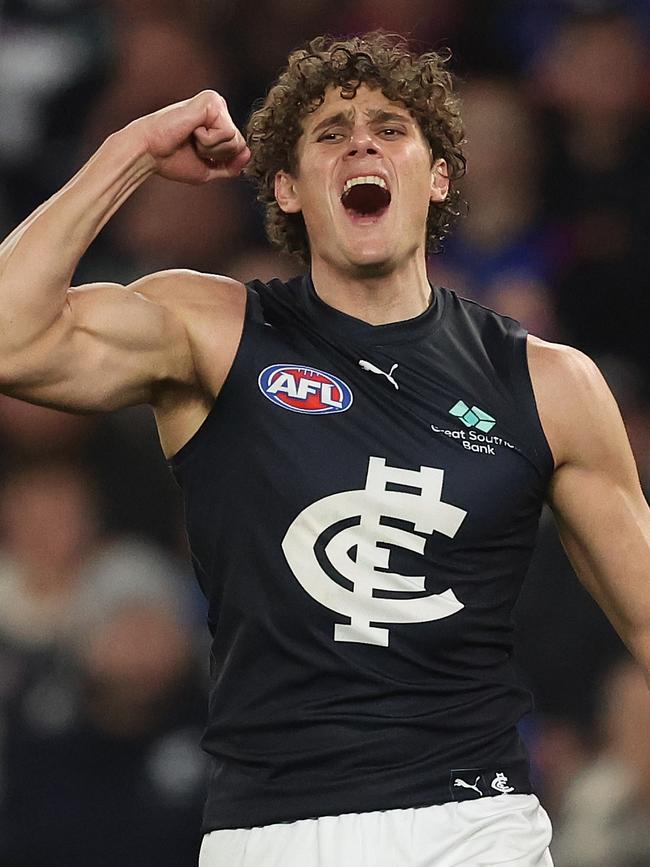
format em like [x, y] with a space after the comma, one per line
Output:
[379, 60]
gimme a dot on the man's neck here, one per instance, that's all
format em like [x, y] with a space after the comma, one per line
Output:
[402, 294]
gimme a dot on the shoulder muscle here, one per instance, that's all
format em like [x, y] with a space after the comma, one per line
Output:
[576, 407]
[211, 309]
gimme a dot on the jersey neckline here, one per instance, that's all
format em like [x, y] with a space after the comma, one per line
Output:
[405, 330]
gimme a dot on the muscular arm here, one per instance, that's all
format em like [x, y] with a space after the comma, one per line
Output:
[105, 345]
[595, 494]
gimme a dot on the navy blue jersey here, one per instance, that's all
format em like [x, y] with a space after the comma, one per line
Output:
[362, 503]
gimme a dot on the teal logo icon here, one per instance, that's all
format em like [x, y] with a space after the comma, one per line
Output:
[472, 416]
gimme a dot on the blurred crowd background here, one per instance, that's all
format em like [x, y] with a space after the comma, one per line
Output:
[103, 648]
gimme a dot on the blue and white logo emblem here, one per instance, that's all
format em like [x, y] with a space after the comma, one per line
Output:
[304, 389]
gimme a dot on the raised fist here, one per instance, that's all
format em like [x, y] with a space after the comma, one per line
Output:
[193, 141]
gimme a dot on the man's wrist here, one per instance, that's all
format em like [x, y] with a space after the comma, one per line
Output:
[129, 146]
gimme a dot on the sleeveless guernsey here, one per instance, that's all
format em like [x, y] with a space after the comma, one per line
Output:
[361, 505]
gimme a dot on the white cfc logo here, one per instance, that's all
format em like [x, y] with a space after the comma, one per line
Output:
[421, 506]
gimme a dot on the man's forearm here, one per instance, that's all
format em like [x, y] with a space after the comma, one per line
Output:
[38, 259]
[638, 643]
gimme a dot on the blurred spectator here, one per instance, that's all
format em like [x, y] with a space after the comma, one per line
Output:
[605, 820]
[423, 21]
[559, 750]
[49, 530]
[29, 432]
[169, 225]
[592, 82]
[256, 40]
[501, 253]
[136, 490]
[52, 57]
[160, 57]
[526, 27]
[101, 763]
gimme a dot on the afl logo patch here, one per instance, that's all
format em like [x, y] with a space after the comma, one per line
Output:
[304, 389]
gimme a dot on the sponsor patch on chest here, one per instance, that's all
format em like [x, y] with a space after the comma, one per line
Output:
[305, 389]
[475, 437]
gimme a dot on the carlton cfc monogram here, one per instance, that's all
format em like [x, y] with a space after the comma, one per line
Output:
[427, 512]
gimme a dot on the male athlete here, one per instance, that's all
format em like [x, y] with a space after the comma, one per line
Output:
[363, 459]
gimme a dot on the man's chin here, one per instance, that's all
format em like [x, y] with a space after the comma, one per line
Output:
[377, 267]
[370, 261]
[365, 260]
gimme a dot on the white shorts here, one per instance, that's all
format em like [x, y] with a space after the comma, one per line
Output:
[513, 830]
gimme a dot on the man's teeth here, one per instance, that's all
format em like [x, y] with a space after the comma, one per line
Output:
[366, 179]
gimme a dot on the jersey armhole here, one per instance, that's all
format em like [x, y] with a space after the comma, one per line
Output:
[523, 384]
[187, 450]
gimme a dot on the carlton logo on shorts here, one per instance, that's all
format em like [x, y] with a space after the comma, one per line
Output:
[304, 389]
[467, 784]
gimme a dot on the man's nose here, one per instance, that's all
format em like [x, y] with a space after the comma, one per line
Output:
[362, 143]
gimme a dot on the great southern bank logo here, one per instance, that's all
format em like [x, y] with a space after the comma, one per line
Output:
[305, 389]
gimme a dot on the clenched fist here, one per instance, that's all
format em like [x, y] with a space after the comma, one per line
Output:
[193, 141]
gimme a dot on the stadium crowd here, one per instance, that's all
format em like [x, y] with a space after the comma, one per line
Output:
[103, 647]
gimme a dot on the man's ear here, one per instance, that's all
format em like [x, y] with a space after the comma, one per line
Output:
[439, 181]
[286, 194]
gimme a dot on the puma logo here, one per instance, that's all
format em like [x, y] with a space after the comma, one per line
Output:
[371, 368]
[463, 785]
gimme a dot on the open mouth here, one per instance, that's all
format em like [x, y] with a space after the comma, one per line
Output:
[366, 196]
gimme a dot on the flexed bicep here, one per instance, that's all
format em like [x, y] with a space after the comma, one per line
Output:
[110, 347]
[105, 346]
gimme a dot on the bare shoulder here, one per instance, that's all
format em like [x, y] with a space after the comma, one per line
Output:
[211, 309]
[576, 407]
[560, 369]
[183, 291]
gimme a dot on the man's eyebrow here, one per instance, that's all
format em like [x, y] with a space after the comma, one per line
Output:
[383, 116]
[375, 115]
[341, 117]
